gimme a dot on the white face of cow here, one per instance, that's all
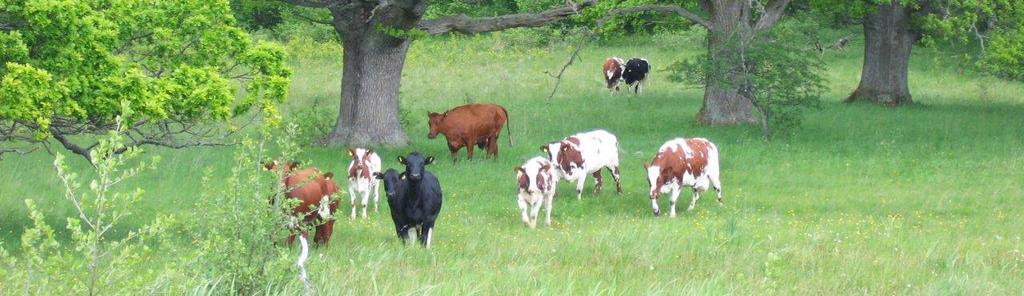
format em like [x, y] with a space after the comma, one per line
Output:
[552, 149]
[653, 174]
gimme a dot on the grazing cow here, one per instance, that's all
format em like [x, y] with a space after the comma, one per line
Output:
[365, 163]
[414, 197]
[469, 125]
[613, 73]
[683, 163]
[636, 73]
[537, 179]
[315, 192]
[586, 153]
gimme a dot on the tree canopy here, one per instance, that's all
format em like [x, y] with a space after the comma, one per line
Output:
[71, 67]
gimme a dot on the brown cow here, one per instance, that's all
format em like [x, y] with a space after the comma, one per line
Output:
[683, 163]
[315, 192]
[613, 67]
[468, 125]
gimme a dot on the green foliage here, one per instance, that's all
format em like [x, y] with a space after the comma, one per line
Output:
[1005, 56]
[776, 70]
[73, 63]
[93, 263]
[259, 14]
[637, 23]
[239, 235]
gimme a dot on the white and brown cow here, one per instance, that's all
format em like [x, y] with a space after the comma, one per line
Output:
[613, 68]
[537, 180]
[683, 163]
[581, 154]
[365, 163]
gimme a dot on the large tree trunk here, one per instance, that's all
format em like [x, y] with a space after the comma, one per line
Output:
[371, 75]
[722, 102]
[888, 39]
[370, 82]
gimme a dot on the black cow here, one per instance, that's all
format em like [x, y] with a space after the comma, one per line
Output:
[636, 73]
[414, 197]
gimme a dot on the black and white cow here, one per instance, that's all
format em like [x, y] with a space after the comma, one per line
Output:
[635, 74]
[414, 197]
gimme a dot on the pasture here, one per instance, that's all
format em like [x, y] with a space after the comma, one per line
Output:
[861, 200]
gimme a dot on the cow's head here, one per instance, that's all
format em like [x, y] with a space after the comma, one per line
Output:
[275, 165]
[360, 165]
[393, 181]
[655, 179]
[533, 177]
[434, 119]
[551, 151]
[569, 157]
[415, 165]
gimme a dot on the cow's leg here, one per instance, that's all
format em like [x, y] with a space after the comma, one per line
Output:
[430, 236]
[454, 149]
[492, 146]
[410, 233]
[579, 186]
[597, 182]
[323, 233]
[672, 202]
[365, 201]
[469, 152]
[693, 201]
[522, 210]
[548, 198]
[654, 205]
[618, 179]
[536, 210]
[426, 232]
[640, 87]
[375, 186]
[352, 199]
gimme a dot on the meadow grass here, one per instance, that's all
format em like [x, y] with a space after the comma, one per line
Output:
[862, 200]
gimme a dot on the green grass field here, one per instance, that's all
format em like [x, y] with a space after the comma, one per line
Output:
[862, 200]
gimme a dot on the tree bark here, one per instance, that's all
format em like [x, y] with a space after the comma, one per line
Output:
[723, 105]
[888, 39]
[372, 73]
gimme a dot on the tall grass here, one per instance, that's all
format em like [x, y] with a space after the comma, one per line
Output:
[863, 199]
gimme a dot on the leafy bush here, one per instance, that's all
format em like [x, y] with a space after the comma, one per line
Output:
[93, 263]
[238, 238]
[778, 71]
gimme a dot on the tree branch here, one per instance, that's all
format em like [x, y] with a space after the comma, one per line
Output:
[74, 148]
[312, 3]
[771, 14]
[659, 8]
[464, 24]
[312, 20]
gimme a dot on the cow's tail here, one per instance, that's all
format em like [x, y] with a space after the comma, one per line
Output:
[508, 126]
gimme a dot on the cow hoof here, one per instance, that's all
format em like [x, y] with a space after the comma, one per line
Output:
[657, 213]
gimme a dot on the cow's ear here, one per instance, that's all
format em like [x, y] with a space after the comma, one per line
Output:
[293, 165]
[378, 176]
[369, 151]
[646, 165]
[565, 148]
[545, 167]
[402, 176]
[351, 152]
[430, 160]
[328, 175]
[401, 159]
[544, 148]
[270, 165]
[519, 171]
